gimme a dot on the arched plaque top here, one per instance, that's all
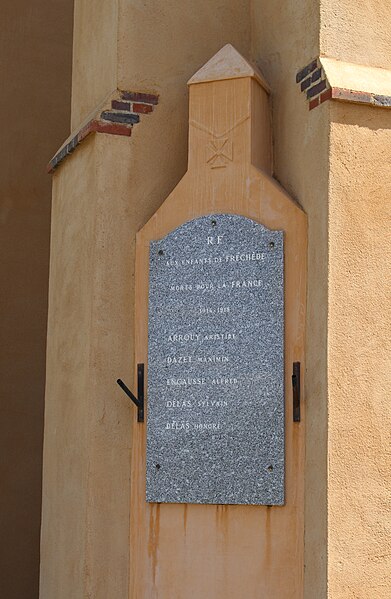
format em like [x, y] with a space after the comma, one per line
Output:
[211, 221]
[228, 64]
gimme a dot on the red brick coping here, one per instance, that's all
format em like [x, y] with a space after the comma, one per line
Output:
[117, 119]
[313, 82]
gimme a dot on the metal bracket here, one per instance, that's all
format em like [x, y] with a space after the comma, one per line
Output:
[296, 391]
[139, 400]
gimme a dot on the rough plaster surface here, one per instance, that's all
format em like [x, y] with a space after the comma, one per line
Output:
[356, 31]
[148, 56]
[94, 70]
[358, 353]
[86, 501]
[301, 165]
[65, 481]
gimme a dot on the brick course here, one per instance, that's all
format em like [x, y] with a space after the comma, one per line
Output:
[140, 97]
[313, 83]
[316, 89]
[118, 105]
[119, 119]
[127, 118]
[314, 103]
[326, 95]
[306, 70]
[142, 108]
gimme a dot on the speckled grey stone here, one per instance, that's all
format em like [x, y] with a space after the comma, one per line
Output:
[215, 403]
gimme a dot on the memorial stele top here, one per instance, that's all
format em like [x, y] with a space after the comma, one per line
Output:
[228, 64]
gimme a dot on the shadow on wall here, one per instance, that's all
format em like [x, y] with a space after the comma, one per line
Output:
[35, 65]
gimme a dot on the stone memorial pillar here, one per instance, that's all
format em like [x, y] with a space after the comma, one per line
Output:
[217, 472]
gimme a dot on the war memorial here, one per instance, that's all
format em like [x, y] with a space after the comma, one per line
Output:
[216, 377]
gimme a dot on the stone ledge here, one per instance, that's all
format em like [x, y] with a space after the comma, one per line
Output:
[116, 116]
[326, 78]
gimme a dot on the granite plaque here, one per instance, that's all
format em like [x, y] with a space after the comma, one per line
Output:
[215, 417]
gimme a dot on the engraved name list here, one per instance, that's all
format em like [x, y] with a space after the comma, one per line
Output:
[215, 419]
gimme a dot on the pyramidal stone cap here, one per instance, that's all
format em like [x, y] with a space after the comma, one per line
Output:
[228, 64]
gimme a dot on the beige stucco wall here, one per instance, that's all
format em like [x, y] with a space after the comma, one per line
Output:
[162, 44]
[358, 313]
[356, 31]
[359, 319]
[94, 68]
[283, 41]
[35, 77]
[86, 482]
[66, 460]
